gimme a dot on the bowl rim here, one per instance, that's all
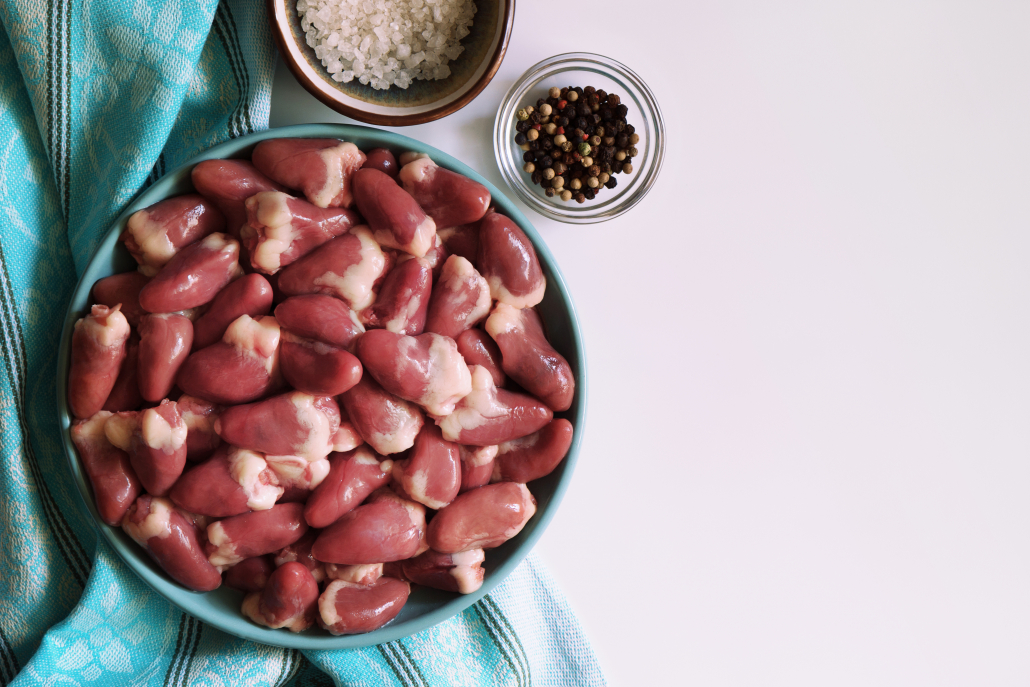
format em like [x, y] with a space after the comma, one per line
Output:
[195, 603]
[277, 18]
[511, 172]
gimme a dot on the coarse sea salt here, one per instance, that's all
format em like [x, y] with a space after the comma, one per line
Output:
[386, 43]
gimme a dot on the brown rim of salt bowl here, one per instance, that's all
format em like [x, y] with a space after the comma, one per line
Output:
[423, 101]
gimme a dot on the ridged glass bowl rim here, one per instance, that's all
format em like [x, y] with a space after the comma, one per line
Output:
[215, 612]
[511, 166]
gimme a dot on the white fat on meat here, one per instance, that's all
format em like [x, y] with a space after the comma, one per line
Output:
[529, 510]
[197, 422]
[346, 438]
[158, 522]
[250, 470]
[120, 427]
[152, 239]
[505, 319]
[327, 601]
[465, 570]
[477, 408]
[409, 156]
[422, 239]
[296, 471]
[477, 456]
[406, 426]
[319, 436]
[362, 574]
[113, 332]
[276, 234]
[336, 159]
[449, 377]
[158, 434]
[500, 292]
[224, 556]
[93, 428]
[355, 284]
[419, 169]
[257, 338]
[459, 274]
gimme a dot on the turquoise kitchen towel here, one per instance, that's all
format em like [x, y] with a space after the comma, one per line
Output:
[97, 100]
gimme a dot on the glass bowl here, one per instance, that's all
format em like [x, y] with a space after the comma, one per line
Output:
[603, 73]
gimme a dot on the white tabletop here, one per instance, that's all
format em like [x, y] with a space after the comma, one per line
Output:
[807, 453]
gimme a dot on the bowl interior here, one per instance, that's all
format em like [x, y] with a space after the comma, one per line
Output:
[425, 607]
[423, 100]
[583, 69]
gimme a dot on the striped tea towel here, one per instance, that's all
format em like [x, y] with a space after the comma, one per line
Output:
[98, 99]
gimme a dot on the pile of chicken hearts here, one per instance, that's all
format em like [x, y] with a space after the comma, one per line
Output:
[326, 381]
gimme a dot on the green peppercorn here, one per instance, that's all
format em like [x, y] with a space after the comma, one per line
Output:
[522, 115]
[583, 148]
[566, 195]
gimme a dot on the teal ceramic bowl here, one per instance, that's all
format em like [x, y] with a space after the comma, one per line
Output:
[425, 607]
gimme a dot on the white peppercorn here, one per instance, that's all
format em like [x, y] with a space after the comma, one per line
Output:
[529, 167]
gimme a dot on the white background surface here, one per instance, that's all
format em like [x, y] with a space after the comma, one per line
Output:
[806, 457]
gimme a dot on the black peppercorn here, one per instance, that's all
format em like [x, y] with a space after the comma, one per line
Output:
[563, 121]
[580, 123]
[521, 127]
[549, 192]
[547, 161]
[606, 115]
[587, 91]
[583, 109]
[622, 140]
[606, 167]
[534, 145]
[580, 198]
[596, 118]
[535, 117]
[614, 99]
[629, 130]
[537, 176]
[622, 110]
[520, 138]
[594, 170]
[620, 126]
[539, 102]
[602, 95]
[528, 156]
[611, 183]
[589, 193]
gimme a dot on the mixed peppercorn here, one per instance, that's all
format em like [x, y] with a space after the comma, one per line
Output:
[575, 141]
